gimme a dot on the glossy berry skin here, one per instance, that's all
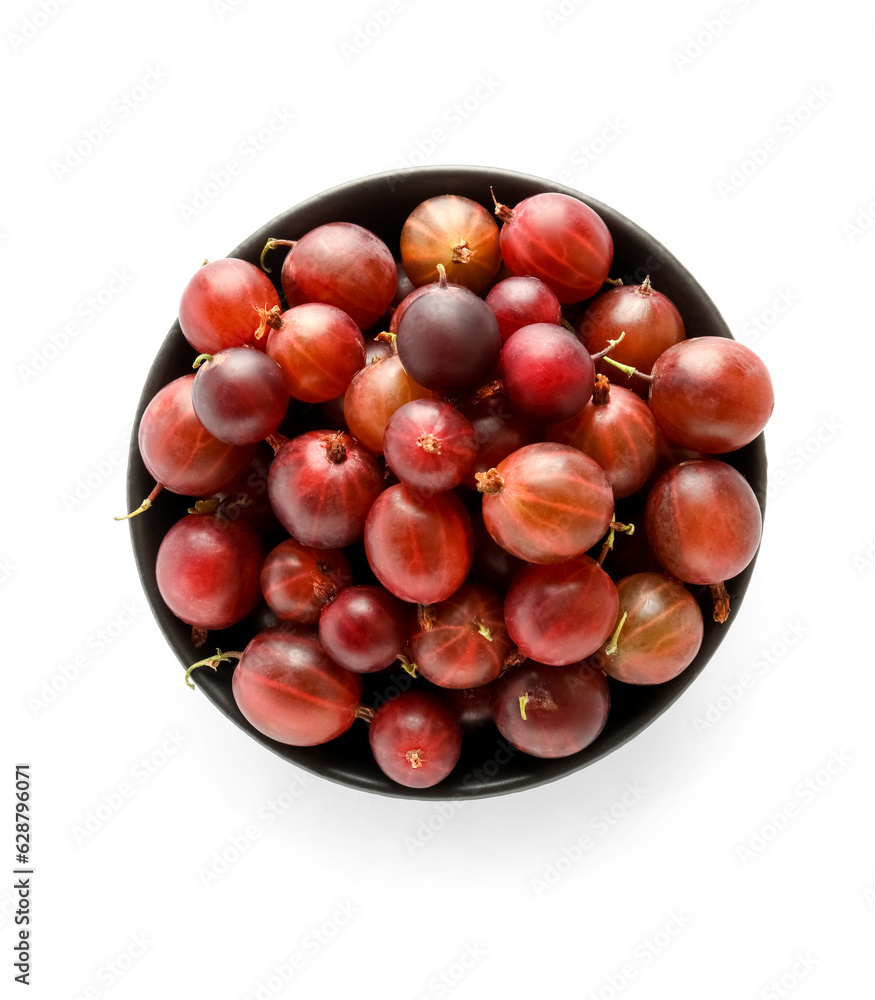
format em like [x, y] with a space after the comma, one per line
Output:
[420, 548]
[456, 232]
[448, 339]
[661, 634]
[648, 321]
[374, 394]
[703, 521]
[220, 305]
[319, 348]
[551, 503]
[343, 265]
[239, 395]
[179, 452]
[288, 689]
[466, 644]
[711, 394]
[364, 628]
[561, 613]
[559, 240]
[321, 486]
[565, 707]
[207, 570]
[416, 739]
[547, 373]
[521, 301]
[617, 429]
[298, 581]
[429, 445]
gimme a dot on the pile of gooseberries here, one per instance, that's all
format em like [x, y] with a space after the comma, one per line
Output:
[479, 459]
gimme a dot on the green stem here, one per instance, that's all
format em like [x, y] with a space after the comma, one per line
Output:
[611, 647]
[210, 661]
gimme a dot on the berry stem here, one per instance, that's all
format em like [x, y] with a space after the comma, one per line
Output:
[489, 482]
[429, 444]
[271, 243]
[200, 359]
[721, 602]
[442, 276]
[611, 345]
[514, 658]
[276, 441]
[210, 661]
[483, 630]
[365, 713]
[493, 388]
[462, 252]
[425, 616]
[523, 701]
[408, 665]
[627, 369]
[612, 647]
[601, 394]
[502, 211]
[645, 288]
[269, 318]
[626, 529]
[145, 505]
[335, 448]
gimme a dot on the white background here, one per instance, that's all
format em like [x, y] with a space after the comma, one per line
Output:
[744, 856]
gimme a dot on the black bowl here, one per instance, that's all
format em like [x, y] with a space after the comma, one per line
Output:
[489, 765]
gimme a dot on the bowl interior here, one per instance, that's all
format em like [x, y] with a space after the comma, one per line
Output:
[489, 765]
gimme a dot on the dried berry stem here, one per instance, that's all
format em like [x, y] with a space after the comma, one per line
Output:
[489, 482]
[721, 602]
